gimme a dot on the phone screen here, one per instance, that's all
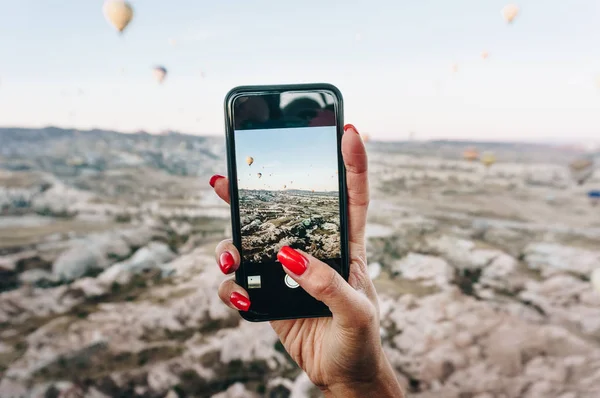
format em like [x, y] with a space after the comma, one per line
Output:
[287, 168]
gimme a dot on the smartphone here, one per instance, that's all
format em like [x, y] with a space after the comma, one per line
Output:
[287, 188]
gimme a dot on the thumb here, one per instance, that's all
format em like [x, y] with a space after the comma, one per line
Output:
[349, 307]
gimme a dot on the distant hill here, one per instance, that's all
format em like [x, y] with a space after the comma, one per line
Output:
[63, 151]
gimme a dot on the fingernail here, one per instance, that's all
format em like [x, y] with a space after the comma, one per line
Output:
[350, 127]
[292, 260]
[239, 301]
[213, 179]
[226, 262]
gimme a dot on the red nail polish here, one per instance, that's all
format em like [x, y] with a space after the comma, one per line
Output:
[350, 126]
[213, 179]
[226, 262]
[292, 260]
[239, 301]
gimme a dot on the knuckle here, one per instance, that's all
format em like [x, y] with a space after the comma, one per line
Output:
[327, 287]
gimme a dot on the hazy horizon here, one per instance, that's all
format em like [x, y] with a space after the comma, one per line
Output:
[490, 140]
[64, 65]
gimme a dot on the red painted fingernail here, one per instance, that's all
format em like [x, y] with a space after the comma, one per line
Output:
[226, 262]
[292, 260]
[213, 179]
[239, 301]
[350, 126]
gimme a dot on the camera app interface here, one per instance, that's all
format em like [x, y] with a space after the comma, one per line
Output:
[287, 170]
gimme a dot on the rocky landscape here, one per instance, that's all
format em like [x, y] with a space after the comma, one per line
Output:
[301, 219]
[108, 281]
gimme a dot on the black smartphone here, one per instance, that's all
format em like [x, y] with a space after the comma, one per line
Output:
[287, 188]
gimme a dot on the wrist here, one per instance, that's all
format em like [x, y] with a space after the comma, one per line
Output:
[383, 384]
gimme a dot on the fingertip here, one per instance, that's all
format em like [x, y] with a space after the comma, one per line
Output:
[350, 128]
[239, 301]
[234, 296]
[227, 263]
[227, 257]
[213, 180]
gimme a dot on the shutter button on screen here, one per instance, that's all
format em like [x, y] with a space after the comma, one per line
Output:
[292, 284]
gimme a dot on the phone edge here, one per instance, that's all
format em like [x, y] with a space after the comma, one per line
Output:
[232, 176]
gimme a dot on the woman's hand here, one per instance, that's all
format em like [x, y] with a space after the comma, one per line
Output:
[342, 354]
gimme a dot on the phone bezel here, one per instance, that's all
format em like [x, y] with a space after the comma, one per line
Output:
[233, 186]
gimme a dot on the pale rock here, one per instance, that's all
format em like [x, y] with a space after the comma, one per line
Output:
[552, 257]
[502, 273]
[10, 388]
[237, 390]
[37, 277]
[540, 368]
[433, 271]
[463, 339]
[160, 378]
[374, 270]
[95, 393]
[152, 256]
[540, 389]
[90, 287]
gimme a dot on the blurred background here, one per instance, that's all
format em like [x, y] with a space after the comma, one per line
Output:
[482, 122]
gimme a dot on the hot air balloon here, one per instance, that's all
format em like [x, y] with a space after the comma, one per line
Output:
[366, 137]
[595, 279]
[118, 13]
[454, 68]
[484, 55]
[510, 12]
[471, 154]
[259, 175]
[249, 160]
[285, 186]
[488, 159]
[581, 170]
[172, 42]
[160, 72]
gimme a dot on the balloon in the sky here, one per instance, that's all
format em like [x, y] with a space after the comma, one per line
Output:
[488, 159]
[366, 137]
[172, 42]
[581, 170]
[160, 72]
[285, 186]
[510, 12]
[119, 13]
[249, 160]
[471, 154]
[259, 175]
[595, 279]
[454, 68]
[484, 55]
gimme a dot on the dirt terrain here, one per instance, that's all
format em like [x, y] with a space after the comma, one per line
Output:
[301, 219]
[108, 283]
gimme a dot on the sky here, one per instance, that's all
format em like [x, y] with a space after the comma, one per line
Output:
[299, 158]
[62, 64]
